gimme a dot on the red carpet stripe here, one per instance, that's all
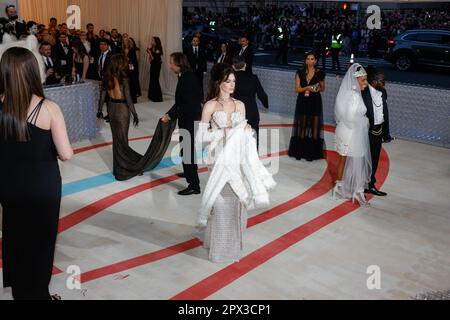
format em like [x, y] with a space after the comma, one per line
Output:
[319, 189]
[226, 276]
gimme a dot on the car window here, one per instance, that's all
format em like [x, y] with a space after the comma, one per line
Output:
[411, 37]
[430, 38]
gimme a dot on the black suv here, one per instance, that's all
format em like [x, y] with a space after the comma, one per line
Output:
[420, 47]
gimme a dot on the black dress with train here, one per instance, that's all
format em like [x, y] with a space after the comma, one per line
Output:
[307, 141]
[30, 195]
[127, 162]
[154, 90]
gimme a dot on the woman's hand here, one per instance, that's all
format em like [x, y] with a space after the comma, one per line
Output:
[135, 121]
[165, 118]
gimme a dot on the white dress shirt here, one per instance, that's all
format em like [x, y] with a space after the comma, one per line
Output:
[243, 50]
[48, 61]
[377, 100]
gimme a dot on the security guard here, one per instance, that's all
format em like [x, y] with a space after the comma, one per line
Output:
[336, 46]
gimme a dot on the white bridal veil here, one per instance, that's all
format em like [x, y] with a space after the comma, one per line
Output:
[352, 122]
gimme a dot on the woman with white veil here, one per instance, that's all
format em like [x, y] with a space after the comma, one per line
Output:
[352, 139]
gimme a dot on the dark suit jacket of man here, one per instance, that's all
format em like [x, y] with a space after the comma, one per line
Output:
[369, 105]
[248, 55]
[50, 80]
[188, 101]
[228, 59]
[20, 28]
[101, 71]
[198, 64]
[248, 87]
[58, 53]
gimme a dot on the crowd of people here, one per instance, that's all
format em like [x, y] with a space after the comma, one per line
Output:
[72, 55]
[305, 25]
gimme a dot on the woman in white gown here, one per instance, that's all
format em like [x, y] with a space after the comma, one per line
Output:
[352, 138]
[238, 181]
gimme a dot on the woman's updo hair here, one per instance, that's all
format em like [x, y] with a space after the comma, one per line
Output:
[219, 74]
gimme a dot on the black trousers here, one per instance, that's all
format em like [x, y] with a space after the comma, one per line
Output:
[255, 126]
[189, 157]
[376, 142]
[199, 75]
[322, 55]
[283, 51]
[335, 58]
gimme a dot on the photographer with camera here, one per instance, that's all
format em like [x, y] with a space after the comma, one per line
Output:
[11, 23]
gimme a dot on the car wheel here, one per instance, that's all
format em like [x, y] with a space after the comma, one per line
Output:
[403, 62]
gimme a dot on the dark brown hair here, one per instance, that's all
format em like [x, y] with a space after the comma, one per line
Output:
[116, 69]
[181, 61]
[80, 48]
[219, 74]
[158, 45]
[304, 68]
[19, 79]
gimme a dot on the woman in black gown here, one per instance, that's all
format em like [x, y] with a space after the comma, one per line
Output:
[133, 67]
[127, 162]
[155, 52]
[307, 141]
[32, 135]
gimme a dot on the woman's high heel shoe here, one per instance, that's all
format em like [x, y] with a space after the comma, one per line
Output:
[360, 198]
[337, 191]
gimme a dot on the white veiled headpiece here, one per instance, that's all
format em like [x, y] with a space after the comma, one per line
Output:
[349, 87]
[31, 43]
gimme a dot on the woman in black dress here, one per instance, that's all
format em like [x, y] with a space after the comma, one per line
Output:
[155, 52]
[133, 67]
[81, 61]
[127, 162]
[307, 141]
[32, 136]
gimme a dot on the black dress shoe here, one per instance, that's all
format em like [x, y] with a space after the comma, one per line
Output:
[375, 192]
[181, 175]
[188, 192]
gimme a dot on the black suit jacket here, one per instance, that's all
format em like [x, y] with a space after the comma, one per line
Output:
[188, 101]
[51, 79]
[101, 71]
[248, 87]
[228, 59]
[367, 97]
[58, 53]
[198, 64]
[116, 46]
[19, 30]
[248, 55]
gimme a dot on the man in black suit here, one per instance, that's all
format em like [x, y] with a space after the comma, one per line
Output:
[93, 40]
[247, 52]
[197, 60]
[187, 109]
[50, 64]
[375, 99]
[224, 55]
[103, 58]
[63, 54]
[102, 63]
[247, 88]
[116, 43]
[11, 23]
